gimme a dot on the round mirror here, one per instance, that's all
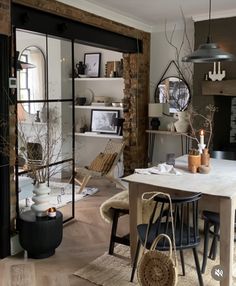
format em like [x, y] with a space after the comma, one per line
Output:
[175, 91]
[31, 66]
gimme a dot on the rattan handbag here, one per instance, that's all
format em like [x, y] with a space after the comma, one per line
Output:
[156, 268]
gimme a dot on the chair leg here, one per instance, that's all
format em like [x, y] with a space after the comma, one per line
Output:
[213, 251]
[113, 231]
[83, 183]
[205, 249]
[182, 262]
[199, 274]
[135, 261]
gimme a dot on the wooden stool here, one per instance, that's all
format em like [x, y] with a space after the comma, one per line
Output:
[114, 238]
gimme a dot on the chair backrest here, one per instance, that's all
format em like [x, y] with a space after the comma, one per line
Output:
[114, 147]
[185, 217]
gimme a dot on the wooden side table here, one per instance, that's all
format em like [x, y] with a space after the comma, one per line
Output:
[40, 236]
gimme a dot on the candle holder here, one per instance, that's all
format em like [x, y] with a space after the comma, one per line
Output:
[201, 147]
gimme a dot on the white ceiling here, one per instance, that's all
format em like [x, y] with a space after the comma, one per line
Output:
[154, 12]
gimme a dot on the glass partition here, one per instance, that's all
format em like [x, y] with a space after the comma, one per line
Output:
[45, 120]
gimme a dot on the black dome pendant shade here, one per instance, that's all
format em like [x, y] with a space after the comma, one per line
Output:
[208, 52]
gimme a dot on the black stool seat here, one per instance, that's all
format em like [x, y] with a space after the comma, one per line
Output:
[117, 213]
[212, 217]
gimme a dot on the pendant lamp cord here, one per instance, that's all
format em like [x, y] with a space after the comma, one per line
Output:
[209, 23]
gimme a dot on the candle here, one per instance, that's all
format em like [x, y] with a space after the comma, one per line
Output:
[214, 69]
[114, 66]
[202, 137]
[218, 67]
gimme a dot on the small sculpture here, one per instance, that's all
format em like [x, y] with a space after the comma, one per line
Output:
[216, 75]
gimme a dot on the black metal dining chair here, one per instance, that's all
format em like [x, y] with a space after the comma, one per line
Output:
[185, 216]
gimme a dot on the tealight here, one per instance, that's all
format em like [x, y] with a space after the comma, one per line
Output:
[52, 212]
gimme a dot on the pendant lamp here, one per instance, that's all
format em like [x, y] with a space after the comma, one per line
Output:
[208, 52]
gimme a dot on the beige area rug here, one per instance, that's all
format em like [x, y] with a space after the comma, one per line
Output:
[115, 270]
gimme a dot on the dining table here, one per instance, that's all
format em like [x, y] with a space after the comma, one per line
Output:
[218, 188]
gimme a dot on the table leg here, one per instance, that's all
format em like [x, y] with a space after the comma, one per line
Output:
[135, 214]
[227, 209]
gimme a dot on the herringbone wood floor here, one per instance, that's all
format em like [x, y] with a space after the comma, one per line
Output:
[84, 239]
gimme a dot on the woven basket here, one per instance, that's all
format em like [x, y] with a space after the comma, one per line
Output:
[156, 268]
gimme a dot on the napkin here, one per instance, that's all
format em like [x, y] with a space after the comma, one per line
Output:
[159, 170]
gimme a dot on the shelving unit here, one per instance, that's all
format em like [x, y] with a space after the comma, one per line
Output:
[98, 78]
[98, 107]
[93, 134]
[224, 87]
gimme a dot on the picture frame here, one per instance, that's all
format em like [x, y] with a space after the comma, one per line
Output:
[92, 62]
[102, 121]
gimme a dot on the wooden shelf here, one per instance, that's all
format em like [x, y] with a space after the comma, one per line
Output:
[98, 78]
[98, 107]
[224, 87]
[93, 134]
[165, 132]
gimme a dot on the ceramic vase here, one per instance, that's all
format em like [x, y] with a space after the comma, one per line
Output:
[194, 161]
[41, 199]
[205, 157]
[182, 123]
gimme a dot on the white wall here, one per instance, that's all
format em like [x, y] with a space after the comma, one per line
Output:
[161, 55]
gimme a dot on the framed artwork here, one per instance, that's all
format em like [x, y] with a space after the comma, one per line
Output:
[92, 62]
[103, 121]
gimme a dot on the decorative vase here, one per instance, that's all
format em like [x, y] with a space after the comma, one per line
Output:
[41, 199]
[194, 161]
[182, 123]
[205, 157]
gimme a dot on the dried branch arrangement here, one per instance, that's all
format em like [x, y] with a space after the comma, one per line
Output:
[49, 141]
[198, 122]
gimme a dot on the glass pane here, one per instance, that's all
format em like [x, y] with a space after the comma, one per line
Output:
[31, 63]
[61, 187]
[59, 68]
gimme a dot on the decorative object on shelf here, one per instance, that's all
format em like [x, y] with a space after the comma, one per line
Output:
[114, 68]
[101, 101]
[116, 104]
[216, 75]
[194, 161]
[37, 118]
[173, 90]
[118, 121]
[205, 157]
[88, 94]
[208, 52]
[103, 121]
[92, 62]
[182, 123]
[155, 110]
[80, 100]
[80, 68]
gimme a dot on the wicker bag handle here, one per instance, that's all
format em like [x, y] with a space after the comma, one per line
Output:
[153, 195]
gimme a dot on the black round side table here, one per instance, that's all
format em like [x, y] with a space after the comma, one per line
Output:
[40, 236]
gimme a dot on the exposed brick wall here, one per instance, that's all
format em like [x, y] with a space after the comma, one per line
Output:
[5, 17]
[136, 76]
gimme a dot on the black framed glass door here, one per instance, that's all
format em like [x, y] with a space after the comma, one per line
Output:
[45, 119]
